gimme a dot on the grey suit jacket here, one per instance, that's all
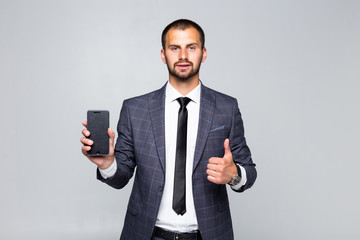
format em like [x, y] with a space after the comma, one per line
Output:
[141, 144]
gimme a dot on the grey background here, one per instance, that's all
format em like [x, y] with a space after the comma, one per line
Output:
[292, 65]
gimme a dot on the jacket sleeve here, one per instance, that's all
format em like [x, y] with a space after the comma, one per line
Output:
[124, 152]
[240, 150]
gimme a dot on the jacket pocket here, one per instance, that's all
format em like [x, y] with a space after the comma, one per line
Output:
[218, 128]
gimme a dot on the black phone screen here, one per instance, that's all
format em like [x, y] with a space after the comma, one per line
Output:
[98, 124]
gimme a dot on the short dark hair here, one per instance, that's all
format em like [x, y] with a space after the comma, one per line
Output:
[183, 24]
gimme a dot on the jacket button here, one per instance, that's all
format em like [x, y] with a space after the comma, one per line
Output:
[161, 188]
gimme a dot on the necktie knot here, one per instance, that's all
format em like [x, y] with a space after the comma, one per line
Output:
[183, 101]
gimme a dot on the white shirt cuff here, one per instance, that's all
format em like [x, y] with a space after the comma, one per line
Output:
[243, 179]
[110, 171]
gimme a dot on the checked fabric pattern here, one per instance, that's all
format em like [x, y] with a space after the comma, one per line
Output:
[141, 146]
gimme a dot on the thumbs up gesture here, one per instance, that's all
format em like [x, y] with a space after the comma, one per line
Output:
[221, 170]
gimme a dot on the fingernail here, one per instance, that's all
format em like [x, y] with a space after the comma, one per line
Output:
[90, 142]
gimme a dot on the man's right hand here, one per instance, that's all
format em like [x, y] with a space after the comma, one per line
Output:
[103, 162]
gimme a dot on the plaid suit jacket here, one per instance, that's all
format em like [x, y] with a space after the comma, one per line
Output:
[141, 145]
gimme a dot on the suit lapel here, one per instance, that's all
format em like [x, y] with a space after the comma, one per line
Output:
[157, 115]
[207, 108]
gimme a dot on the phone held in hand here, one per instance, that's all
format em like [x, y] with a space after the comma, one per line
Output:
[98, 124]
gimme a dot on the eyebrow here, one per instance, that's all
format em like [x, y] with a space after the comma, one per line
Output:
[188, 45]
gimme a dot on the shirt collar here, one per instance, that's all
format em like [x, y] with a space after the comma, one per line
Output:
[172, 94]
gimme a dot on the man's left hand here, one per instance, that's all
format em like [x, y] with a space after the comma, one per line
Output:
[222, 170]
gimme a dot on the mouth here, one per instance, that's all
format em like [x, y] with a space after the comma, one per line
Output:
[183, 66]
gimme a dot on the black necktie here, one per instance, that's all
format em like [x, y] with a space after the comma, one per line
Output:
[180, 159]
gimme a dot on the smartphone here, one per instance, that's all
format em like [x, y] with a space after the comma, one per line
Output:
[98, 124]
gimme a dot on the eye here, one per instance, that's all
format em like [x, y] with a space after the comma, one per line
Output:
[175, 49]
[192, 48]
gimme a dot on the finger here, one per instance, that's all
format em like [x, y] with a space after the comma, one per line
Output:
[217, 161]
[212, 167]
[86, 141]
[227, 148]
[85, 132]
[85, 149]
[212, 173]
[214, 160]
[84, 123]
[218, 168]
[111, 135]
[213, 179]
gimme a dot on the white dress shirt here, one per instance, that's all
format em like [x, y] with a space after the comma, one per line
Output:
[167, 218]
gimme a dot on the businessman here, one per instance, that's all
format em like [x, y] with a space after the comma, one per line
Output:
[186, 142]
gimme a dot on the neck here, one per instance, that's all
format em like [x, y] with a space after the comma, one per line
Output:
[184, 87]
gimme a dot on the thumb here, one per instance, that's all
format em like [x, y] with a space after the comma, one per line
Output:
[227, 148]
[111, 135]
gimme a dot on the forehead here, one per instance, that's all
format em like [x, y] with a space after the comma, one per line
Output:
[182, 36]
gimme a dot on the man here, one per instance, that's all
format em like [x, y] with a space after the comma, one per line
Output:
[186, 141]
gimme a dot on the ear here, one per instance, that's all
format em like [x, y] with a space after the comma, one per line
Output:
[204, 55]
[163, 58]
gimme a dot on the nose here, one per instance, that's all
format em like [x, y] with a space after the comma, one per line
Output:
[183, 54]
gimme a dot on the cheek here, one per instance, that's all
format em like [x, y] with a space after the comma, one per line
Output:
[171, 60]
[196, 59]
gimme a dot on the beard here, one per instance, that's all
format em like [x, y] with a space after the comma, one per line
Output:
[193, 71]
